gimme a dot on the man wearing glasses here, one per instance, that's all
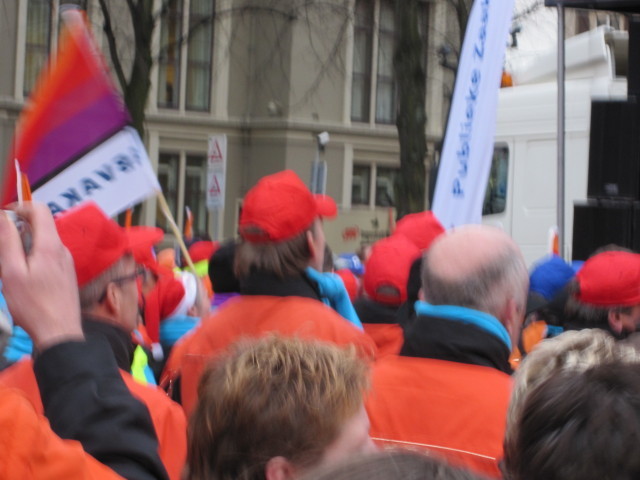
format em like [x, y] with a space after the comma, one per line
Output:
[107, 278]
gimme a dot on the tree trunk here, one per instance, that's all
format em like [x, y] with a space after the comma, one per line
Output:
[411, 117]
[136, 92]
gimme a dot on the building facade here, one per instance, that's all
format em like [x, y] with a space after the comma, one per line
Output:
[270, 75]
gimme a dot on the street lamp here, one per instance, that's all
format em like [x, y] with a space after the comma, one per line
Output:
[319, 165]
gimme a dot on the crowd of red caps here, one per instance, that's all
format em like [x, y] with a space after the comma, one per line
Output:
[164, 293]
[391, 257]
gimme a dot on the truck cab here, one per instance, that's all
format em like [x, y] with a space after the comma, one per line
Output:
[521, 195]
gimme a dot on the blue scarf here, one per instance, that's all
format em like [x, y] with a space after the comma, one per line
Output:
[482, 320]
[333, 293]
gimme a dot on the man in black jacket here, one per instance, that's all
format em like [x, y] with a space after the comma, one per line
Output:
[83, 393]
[474, 287]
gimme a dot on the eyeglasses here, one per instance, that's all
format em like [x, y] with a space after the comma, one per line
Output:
[139, 272]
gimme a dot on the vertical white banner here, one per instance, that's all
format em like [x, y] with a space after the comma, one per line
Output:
[216, 171]
[468, 146]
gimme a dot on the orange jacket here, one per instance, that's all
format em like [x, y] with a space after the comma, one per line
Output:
[452, 409]
[387, 336]
[168, 418]
[30, 450]
[255, 316]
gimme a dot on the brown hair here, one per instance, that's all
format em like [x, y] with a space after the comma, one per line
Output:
[572, 351]
[282, 259]
[268, 398]
[582, 425]
[583, 315]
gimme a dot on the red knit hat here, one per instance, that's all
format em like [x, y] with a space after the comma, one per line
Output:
[170, 296]
[389, 265]
[279, 207]
[610, 279]
[165, 295]
[350, 282]
[421, 228]
[143, 252]
[202, 250]
[96, 242]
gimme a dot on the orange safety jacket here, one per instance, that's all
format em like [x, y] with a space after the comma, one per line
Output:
[168, 418]
[255, 316]
[388, 337]
[452, 409]
[29, 449]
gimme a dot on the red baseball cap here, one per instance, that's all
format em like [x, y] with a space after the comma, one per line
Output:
[388, 266]
[279, 207]
[610, 279]
[96, 242]
[421, 228]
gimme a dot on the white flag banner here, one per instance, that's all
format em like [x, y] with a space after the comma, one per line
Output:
[216, 171]
[116, 174]
[468, 146]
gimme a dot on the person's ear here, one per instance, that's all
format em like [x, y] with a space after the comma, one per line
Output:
[112, 298]
[310, 243]
[615, 321]
[279, 468]
[512, 319]
[421, 295]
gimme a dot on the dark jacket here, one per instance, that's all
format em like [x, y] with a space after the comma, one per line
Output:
[455, 341]
[86, 399]
[371, 311]
[262, 283]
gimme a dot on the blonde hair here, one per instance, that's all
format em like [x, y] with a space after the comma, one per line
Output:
[391, 464]
[273, 397]
[572, 351]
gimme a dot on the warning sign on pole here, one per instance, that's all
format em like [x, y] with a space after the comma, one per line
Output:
[216, 171]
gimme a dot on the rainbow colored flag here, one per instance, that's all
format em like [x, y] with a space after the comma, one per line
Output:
[73, 139]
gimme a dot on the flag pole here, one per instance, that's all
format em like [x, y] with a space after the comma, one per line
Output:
[164, 206]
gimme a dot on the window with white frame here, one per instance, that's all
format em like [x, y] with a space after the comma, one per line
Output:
[185, 56]
[183, 180]
[374, 40]
[42, 31]
[39, 32]
[385, 82]
[373, 185]
[169, 56]
[361, 74]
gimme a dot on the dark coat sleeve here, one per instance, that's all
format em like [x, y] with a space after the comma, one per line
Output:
[86, 399]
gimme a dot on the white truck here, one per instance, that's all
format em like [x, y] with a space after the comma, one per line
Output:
[521, 196]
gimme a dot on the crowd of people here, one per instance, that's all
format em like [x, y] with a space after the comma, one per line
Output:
[439, 357]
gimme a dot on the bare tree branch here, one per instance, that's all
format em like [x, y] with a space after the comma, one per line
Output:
[107, 28]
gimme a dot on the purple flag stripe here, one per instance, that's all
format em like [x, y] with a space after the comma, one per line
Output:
[67, 142]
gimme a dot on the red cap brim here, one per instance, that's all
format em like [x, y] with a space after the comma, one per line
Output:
[141, 237]
[326, 206]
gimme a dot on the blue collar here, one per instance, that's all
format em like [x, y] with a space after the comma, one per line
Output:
[482, 320]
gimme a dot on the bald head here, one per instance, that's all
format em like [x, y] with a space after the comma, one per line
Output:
[478, 267]
[466, 250]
